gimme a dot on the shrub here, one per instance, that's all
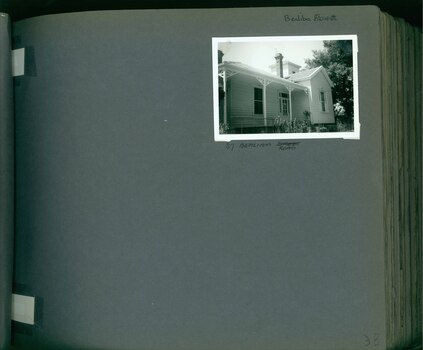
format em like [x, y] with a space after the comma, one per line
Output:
[294, 126]
[223, 128]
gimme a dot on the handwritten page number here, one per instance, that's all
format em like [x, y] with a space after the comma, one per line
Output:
[371, 340]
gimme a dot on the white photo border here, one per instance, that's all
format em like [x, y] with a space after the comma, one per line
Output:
[351, 135]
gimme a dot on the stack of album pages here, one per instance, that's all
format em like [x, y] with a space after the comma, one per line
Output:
[211, 179]
[401, 59]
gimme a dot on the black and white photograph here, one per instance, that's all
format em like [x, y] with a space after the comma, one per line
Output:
[285, 87]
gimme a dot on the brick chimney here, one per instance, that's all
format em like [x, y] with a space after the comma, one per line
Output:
[279, 65]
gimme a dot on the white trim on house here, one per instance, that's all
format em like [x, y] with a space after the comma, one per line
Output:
[257, 73]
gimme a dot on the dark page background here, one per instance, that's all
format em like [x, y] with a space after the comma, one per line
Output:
[141, 233]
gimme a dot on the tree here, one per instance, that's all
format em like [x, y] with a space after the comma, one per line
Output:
[336, 58]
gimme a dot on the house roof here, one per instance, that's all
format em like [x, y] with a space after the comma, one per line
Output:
[284, 62]
[239, 67]
[303, 74]
[291, 63]
[307, 74]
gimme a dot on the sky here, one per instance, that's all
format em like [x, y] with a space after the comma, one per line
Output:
[261, 54]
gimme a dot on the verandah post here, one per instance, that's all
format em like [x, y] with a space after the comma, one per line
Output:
[264, 82]
[264, 104]
[225, 112]
[290, 103]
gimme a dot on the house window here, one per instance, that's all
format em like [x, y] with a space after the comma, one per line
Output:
[284, 104]
[323, 101]
[258, 101]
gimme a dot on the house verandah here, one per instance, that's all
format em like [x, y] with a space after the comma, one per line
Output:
[250, 99]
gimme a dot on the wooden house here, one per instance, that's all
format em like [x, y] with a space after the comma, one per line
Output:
[252, 99]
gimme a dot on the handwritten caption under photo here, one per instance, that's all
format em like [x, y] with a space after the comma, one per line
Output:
[281, 146]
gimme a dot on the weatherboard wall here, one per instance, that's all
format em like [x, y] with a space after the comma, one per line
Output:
[319, 83]
[240, 102]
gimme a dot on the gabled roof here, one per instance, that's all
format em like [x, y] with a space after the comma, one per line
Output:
[239, 67]
[303, 74]
[307, 74]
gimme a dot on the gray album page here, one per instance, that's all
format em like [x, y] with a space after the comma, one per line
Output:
[137, 229]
